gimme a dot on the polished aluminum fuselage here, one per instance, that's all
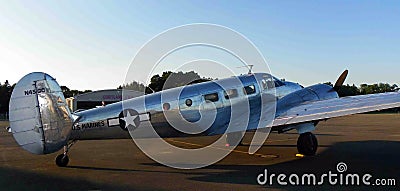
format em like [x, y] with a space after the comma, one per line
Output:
[99, 123]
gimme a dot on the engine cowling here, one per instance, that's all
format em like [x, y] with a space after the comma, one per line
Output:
[311, 93]
[40, 119]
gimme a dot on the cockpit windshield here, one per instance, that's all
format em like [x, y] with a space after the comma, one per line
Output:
[269, 82]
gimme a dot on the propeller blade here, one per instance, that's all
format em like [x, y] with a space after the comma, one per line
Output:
[341, 80]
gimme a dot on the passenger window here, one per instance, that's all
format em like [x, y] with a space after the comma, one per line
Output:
[166, 106]
[189, 102]
[211, 97]
[229, 94]
[251, 89]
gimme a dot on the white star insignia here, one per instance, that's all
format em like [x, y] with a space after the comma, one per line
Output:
[129, 120]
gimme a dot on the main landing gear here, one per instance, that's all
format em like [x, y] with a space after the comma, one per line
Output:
[63, 159]
[307, 144]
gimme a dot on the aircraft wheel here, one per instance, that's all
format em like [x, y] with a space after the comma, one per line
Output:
[234, 138]
[307, 144]
[62, 160]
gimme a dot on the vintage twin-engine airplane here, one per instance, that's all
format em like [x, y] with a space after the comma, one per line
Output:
[42, 123]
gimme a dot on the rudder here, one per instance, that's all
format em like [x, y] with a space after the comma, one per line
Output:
[40, 119]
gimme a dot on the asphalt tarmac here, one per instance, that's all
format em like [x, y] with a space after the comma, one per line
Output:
[368, 143]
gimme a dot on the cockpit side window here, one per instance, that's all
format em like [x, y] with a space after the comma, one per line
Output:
[248, 90]
[269, 82]
[229, 94]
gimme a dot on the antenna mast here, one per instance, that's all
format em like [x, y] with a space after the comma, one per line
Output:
[250, 67]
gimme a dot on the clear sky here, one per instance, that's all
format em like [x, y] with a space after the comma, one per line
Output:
[90, 44]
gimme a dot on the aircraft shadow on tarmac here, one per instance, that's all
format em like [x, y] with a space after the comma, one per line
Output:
[280, 145]
[316, 134]
[123, 170]
[13, 179]
[378, 158]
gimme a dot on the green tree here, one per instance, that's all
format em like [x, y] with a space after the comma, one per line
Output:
[167, 80]
[347, 90]
[5, 94]
[384, 88]
[175, 79]
[71, 93]
[133, 86]
[377, 88]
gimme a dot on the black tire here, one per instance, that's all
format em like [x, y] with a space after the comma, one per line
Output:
[62, 160]
[234, 139]
[307, 144]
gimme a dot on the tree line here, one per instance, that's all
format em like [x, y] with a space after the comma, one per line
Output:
[5, 94]
[71, 93]
[166, 80]
[352, 90]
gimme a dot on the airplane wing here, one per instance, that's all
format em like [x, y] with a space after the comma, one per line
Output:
[325, 109]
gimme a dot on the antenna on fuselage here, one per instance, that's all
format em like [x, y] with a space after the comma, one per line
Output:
[146, 86]
[250, 67]
[151, 89]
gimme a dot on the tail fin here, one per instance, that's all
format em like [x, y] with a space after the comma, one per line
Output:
[40, 119]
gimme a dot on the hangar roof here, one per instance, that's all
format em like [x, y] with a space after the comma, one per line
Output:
[107, 95]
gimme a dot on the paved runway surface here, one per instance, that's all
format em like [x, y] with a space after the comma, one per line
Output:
[367, 143]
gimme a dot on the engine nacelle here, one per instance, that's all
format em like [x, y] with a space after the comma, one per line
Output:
[40, 119]
[311, 93]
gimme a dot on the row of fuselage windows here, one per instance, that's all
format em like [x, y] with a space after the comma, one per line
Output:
[228, 94]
